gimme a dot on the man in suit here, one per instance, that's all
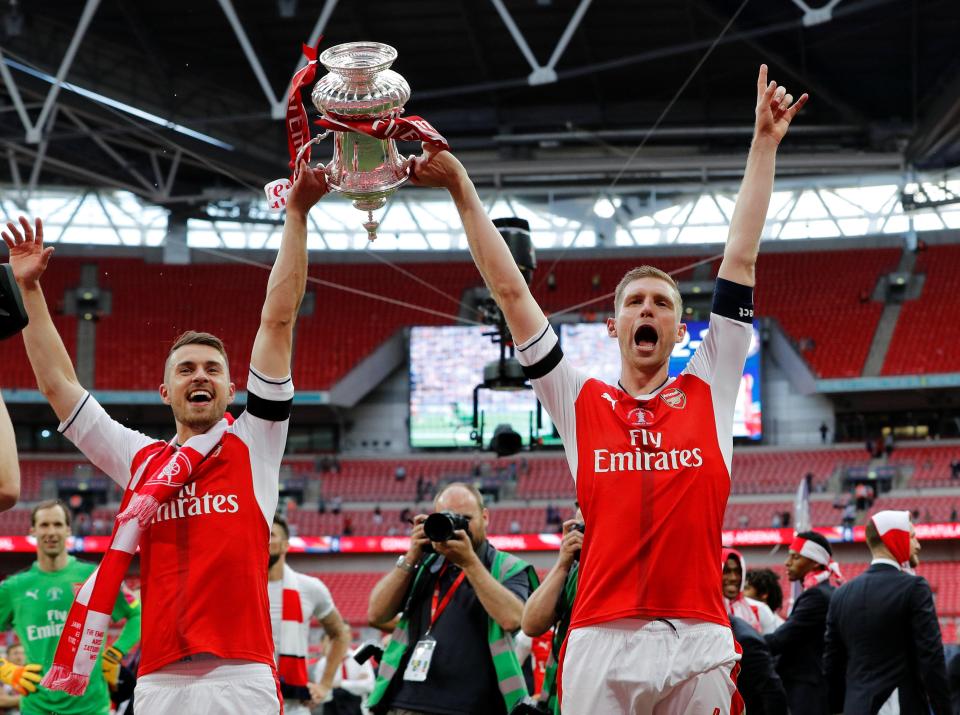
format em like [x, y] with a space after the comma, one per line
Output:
[883, 640]
[799, 641]
[758, 683]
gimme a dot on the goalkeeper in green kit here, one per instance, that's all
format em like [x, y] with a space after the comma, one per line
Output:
[35, 603]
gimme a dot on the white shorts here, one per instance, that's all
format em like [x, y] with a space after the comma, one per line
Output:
[644, 667]
[209, 686]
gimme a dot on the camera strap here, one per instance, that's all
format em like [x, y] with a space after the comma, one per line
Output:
[437, 608]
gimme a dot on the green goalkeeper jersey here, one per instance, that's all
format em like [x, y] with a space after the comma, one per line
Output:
[35, 603]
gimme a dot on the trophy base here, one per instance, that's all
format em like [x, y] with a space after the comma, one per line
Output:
[370, 204]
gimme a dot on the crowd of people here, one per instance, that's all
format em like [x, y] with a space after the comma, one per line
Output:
[643, 612]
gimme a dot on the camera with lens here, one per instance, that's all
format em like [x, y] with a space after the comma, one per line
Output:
[441, 525]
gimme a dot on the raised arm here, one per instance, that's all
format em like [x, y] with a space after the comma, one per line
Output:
[9, 467]
[56, 378]
[273, 346]
[775, 110]
[489, 250]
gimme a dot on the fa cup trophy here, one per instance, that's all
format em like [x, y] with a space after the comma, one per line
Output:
[360, 101]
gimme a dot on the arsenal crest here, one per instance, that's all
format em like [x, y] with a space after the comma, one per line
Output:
[674, 397]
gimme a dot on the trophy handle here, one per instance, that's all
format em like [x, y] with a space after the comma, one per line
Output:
[315, 140]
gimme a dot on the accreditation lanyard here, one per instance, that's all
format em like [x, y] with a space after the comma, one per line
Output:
[437, 608]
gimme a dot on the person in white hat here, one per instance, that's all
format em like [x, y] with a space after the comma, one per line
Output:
[883, 650]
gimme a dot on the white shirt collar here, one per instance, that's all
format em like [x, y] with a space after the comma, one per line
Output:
[889, 562]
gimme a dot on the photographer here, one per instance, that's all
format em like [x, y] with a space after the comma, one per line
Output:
[461, 599]
[552, 604]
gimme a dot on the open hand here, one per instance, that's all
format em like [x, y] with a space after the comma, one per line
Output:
[28, 257]
[775, 108]
[22, 678]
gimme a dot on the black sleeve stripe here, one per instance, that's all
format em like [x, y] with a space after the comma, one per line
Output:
[270, 380]
[733, 300]
[539, 338]
[271, 410]
[75, 414]
[543, 368]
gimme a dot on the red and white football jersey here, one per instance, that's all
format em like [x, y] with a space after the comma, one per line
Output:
[203, 560]
[652, 472]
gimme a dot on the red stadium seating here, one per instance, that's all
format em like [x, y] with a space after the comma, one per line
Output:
[34, 471]
[773, 472]
[925, 340]
[63, 274]
[931, 465]
[575, 279]
[791, 287]
[351, 592]
[153, 303]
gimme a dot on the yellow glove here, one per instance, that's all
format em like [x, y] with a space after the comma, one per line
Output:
[110, 665]
[22, 678]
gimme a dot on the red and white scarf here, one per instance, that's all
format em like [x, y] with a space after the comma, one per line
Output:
[158, 480]
[398, 128]
[740, 606]
[292, 660]
[894, 530]
[813, 551]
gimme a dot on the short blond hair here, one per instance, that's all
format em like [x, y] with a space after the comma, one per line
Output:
[194, 337]
[647, 272]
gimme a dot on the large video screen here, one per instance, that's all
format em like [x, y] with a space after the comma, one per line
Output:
[446, 362]
[588, 348]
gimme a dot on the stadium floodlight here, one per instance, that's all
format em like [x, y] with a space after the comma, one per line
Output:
[927, 196]
[605, 208]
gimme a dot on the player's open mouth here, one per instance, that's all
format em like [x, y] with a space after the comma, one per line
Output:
[646, 337]
[200, 397]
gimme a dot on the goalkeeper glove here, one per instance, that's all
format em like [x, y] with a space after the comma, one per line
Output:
[110, 665]
[22, 678]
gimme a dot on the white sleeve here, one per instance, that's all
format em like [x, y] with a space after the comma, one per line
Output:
[263, 428]
[556, 384]
[103, 440]
[768, 621]
[522, 646]
[720, 358]
[319, 596]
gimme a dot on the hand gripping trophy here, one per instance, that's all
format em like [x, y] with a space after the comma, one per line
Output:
[360, 101]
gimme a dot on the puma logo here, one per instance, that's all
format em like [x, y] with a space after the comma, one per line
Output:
[34, 594]
[613, 402]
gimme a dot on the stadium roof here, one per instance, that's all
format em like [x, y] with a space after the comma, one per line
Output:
[883, 75]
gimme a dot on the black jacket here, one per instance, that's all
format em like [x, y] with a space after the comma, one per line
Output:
[799, 645]
[882, 633]
[758, 682]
